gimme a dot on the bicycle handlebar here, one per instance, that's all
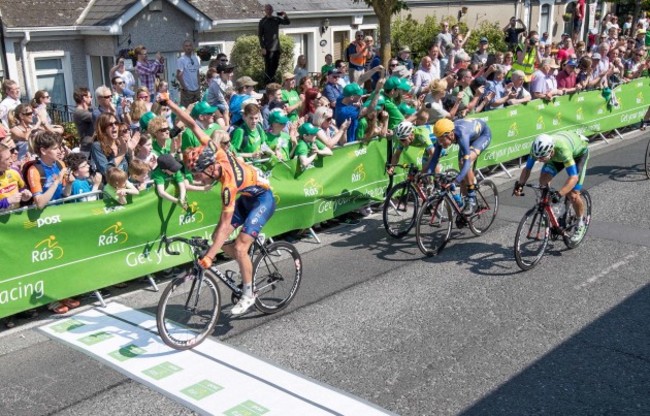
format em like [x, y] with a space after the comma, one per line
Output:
[195, 242]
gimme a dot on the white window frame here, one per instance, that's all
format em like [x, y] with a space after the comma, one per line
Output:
[222, 47]
[66, 67]
[312, 45]
[551, 14]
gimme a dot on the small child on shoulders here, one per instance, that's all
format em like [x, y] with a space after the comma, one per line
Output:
[118, 186]
[79, 179]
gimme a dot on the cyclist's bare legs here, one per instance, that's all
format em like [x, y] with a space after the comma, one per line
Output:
[470, 178]
[574, 196]
[577, 203]
[238, 250]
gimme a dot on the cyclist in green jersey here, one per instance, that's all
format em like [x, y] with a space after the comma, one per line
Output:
[417, 136]
[564, 150]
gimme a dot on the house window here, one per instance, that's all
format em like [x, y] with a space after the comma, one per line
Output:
[100, 67]
[545, 15]
[50, 76]
[300, 46]
[218, 48]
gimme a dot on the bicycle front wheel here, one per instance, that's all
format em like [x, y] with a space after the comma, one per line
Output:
[277, 273]
[532, 238]
[400, 209]
[433, 226]
[647, 161]
[188, 310]
[487, 199]
[571, 220]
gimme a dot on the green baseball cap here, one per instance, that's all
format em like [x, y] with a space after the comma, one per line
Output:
[352, 89]
[307, 128]
[278, 117]
[145, 119]
[380, 102]
[202, 108]
[406, 109]
[405, 85]
[392, 83]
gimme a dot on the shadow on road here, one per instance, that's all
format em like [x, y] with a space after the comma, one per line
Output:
[603, 369]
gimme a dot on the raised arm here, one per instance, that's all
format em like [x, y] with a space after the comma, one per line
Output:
[185, 118]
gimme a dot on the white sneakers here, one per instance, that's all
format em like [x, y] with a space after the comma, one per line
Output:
[244, 304]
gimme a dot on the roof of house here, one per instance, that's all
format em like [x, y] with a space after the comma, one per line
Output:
[59, 13]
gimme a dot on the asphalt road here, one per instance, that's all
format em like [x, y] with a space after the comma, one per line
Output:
[463, 333]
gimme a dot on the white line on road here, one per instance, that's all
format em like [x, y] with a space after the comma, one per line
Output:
[213, 378]
[608, 270]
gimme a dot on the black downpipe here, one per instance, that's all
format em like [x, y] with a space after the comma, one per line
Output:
[3, 56]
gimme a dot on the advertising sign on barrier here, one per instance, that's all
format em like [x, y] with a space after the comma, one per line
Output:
[66, 250]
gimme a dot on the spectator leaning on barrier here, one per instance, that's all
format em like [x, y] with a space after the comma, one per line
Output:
[162, 143]
[46, 176]
[392, 96]
[635, 66]
[348, 108]
[567, 78]
[329, 134]
[79, 180]
[279, 141]
[433, 102]
[118, 186]
[187, 74]
[518, 93]
[309, 147]
[12, 187]
[544, 84]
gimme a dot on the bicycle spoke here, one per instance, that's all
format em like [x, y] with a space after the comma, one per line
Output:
[488, 205]
[277, 273]
[433, 226]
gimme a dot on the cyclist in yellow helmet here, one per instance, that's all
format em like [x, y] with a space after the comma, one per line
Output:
[472, 137]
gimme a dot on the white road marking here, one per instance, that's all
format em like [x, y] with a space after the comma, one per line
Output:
[213, 378]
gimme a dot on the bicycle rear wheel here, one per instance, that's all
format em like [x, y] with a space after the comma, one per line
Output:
[571, 219]
[277, 273]
[400, 209]
[433, 226]
[532, 238]
[487, 199]
[647, 161]
[188, 310]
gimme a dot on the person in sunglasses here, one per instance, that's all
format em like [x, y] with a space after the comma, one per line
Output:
[12, 187]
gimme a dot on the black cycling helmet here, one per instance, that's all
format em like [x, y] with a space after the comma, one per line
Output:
[198, 159]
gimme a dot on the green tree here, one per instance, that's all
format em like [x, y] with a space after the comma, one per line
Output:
[384, 9]
[245, 55]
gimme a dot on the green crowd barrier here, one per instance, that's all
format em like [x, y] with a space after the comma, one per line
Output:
[74, 248]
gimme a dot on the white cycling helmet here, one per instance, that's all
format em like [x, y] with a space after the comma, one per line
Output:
[542, 146]
[404, 129]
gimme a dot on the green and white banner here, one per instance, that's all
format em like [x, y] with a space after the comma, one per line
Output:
[70, 249]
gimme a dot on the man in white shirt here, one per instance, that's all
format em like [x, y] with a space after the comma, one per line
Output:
[187, 75]
[11, 91]
[544, 85]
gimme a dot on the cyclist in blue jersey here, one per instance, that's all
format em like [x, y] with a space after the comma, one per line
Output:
[563, 150]
[472, 137]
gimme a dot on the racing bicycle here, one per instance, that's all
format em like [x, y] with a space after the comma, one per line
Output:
[190, 305]
[541, 223]
[435, 219]
[402, 200]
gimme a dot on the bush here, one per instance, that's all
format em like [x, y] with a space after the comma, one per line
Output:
[419, 36]
[245, 55]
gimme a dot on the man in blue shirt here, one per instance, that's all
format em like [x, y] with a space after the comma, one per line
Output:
[332, 90]
[348, 107]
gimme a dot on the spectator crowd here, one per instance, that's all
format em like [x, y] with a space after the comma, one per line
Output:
[127, 140]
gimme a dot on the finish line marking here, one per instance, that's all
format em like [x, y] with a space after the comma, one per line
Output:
[211, 379]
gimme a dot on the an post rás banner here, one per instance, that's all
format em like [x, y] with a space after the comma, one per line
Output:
[514, 128]
[70, 249]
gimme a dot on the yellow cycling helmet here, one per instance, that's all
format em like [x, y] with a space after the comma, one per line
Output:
[442, 127]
